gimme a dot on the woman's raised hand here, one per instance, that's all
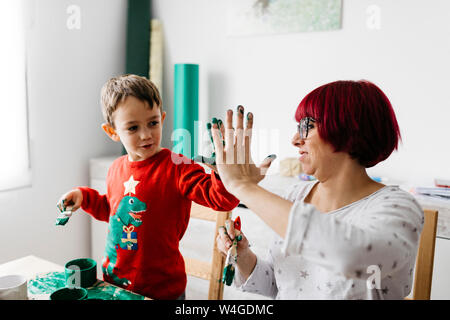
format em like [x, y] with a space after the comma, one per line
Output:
[233, 158]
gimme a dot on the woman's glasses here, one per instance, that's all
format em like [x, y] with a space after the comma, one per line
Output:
[304, 125]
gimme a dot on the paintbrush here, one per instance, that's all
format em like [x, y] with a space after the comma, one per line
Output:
[64, 214]
[231, 260]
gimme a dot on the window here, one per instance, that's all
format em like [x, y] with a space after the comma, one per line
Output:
[14, 150]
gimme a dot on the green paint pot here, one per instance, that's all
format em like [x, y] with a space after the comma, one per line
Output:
[69, 294]
[81, 273]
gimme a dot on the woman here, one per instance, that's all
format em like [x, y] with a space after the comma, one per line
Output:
[343, 236]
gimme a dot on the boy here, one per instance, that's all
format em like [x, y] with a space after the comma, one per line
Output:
[149, 194]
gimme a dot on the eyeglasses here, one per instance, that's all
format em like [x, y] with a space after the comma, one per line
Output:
[304, 125]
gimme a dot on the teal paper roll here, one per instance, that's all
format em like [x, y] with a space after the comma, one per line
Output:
[185, 109]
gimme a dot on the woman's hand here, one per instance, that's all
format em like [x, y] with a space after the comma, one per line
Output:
[246, 259]
[233, 159]
[225, 239]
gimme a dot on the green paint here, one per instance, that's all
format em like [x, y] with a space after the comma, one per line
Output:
[202, 159]
[60, 221]
[47, 283]
[120, 219]
[104, 291]
[228, 275]
[240, 109]
[101, 290]
[84, 269]
[208, 127]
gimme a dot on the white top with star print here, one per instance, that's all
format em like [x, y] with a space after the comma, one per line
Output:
[365, 250]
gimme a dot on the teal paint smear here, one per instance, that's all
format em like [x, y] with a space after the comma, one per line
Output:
[47, 283]
[52, 281]
[104, 291]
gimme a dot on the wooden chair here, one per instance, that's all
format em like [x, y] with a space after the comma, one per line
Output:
[423, 273]
[211, 271]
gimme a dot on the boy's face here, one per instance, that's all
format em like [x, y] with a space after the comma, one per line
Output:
[138, 127]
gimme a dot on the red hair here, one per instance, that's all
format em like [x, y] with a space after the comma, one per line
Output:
[354, 117]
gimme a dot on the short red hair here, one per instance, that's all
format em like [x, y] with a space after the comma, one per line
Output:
[354, 117]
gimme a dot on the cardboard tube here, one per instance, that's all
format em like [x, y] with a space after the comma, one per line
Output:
[185, 109]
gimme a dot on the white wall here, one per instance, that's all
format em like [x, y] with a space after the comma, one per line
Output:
[66, 69]
[408, 58]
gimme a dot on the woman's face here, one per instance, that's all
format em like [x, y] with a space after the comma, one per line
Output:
[317, 157]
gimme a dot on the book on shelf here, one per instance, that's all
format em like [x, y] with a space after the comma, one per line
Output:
[437, 192]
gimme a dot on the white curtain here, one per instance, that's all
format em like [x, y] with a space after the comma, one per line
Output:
[14, 154]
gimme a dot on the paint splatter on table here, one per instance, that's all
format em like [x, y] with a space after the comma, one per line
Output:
[41, 286]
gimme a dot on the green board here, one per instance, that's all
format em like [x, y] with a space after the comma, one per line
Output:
[138, 38]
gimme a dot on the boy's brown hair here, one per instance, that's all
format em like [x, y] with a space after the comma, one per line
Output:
[117, 89]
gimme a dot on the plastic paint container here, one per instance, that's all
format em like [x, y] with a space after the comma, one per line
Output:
[81, 273]
[69, 294]
[13, 287]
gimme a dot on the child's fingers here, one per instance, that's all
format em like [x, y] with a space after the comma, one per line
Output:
[210, 162]
[208, 128]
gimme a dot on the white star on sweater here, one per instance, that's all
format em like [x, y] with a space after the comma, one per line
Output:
[130, 186]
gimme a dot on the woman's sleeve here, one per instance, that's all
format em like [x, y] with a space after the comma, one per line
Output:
[386, 234]
[261, 280]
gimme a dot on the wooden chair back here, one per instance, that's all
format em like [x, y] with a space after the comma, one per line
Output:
[423, 274]
[211, 271]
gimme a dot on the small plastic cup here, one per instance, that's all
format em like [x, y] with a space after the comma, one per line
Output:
[81, 273]
[69, 294]
[13, 287]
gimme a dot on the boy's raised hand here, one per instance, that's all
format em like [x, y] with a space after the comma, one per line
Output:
[211, 162]
[71, 200]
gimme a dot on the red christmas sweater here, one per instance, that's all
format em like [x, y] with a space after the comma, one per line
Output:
[147, 205]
